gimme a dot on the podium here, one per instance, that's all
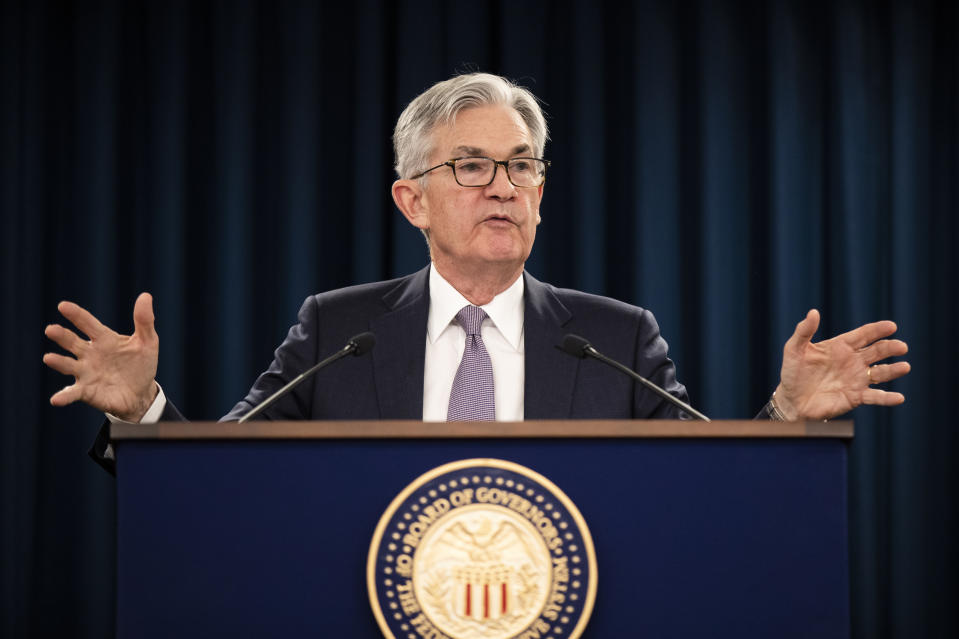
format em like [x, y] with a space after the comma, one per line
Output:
[722, 529]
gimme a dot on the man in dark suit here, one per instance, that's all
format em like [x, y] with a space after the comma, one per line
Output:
[469, 156]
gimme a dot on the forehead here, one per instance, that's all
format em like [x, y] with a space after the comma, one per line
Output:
[493, 130]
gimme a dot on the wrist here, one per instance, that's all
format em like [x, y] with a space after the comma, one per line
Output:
[143, 405]
[782, 409]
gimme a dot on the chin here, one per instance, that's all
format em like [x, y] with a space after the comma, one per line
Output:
[506, 246]
[512, 254]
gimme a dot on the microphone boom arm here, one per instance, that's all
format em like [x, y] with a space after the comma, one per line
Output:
[592, 352]
[579, 347]
[357, 345]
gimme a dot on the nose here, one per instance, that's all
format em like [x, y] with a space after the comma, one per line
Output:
[501, 188]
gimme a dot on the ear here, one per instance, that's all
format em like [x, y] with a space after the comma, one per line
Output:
[540, 201]
[408, 196]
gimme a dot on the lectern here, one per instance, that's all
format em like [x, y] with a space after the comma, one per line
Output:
[727, 529]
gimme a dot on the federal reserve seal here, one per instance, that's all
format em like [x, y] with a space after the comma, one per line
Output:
[482, 549]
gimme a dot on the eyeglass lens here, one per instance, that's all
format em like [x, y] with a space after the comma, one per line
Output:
[480, 171]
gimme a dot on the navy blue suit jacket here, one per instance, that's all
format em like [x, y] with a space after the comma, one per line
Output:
[388, 382]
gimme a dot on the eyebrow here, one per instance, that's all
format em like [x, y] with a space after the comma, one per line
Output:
[469, 151]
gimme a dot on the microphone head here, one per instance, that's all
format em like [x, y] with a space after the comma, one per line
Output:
[362, 343]
[575, 345]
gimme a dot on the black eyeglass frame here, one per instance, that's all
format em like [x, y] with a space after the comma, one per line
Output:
[496, 164]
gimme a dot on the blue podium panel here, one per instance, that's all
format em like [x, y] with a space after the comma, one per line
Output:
[693, 537]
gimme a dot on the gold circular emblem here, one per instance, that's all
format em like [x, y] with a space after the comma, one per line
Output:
[482, 549]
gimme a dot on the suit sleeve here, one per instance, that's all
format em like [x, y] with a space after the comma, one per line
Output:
[104, 453]
[655, 365]
[297, 353]
[652, 362]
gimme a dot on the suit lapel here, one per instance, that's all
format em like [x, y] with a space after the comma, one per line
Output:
[401, 347]
[550, 373]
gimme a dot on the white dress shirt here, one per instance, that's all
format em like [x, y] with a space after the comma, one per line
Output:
[503, 337]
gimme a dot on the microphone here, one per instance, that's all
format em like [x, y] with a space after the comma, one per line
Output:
[579, 347]
[357, 345]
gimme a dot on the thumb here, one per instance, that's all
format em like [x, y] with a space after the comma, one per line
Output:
[143, 316]
[806, 328]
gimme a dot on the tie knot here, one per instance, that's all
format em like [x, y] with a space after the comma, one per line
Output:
[471, 319]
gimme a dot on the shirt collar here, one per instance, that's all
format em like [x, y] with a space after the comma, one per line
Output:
[505, 310]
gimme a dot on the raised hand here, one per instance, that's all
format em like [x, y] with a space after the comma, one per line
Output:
[113, 373]
[824, 379]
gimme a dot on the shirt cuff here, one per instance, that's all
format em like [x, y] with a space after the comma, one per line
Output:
[153, 414]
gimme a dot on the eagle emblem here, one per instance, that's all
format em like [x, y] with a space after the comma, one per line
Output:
[481, 549]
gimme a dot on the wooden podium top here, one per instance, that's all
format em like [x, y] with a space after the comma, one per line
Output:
[396, 429]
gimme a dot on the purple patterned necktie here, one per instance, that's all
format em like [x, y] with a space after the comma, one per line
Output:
[472, 395]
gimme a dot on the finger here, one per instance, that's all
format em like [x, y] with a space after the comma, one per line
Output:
[805, 329]
[65, 338]
[884, 349]
[82, 319]
[66, 395]
[868, 333]
[61, 363]
[143, 317]
[881, 373]
[878, 397]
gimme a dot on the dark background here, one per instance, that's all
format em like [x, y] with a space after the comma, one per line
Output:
[727, 165]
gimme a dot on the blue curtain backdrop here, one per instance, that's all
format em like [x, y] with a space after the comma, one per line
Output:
[726, 165]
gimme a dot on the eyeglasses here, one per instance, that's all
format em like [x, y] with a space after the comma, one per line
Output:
[480, 171]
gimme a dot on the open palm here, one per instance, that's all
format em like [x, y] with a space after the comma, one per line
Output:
[113, 373]
[824, 379]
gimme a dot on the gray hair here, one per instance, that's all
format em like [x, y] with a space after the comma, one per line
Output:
[440, 104]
